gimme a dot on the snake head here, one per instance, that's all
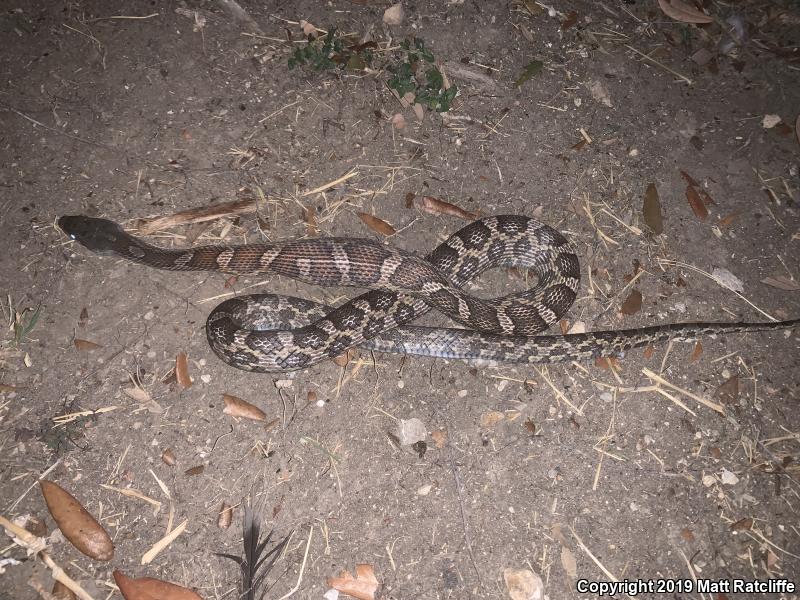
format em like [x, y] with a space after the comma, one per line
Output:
[98, 235]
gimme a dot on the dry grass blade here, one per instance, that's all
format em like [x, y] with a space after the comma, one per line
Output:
[198, 215]
[685, 13]
[255, 565]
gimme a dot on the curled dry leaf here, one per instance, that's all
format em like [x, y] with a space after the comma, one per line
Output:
[147, 588]
[225, 516]
[182, 370]
[168, 457]
[651, 209]
[377, 225]
[683, 12]
[632, 304]
[523, 584]
[434, 206]
[85, 345]
[363, 586]
[75, 522]
[236, 407]
[398, 121]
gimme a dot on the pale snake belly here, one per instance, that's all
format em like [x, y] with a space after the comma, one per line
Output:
[267, 333]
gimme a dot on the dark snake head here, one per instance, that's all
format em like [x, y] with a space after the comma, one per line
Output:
[98, 235]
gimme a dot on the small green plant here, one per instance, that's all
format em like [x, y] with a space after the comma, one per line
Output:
[406, 77]
[322, 54]
[22, 322]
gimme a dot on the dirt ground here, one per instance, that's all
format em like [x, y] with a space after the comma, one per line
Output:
[573, 472]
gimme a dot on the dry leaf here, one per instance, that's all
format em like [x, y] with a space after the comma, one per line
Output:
[769, 121]
[147, 588]
[683, 12]
[310, 217]
[652, 209]
[607, 362]
[570, 21]
[85, 345]
[782, 283]
[687, 534]
[697, 353]
[62, 592]
[649, 350]
[439, 438]
[182, 370]
[568, 562]
[75, 522]
[168, 457]
[742, 524]
[308, 28]
[225, 516]
[632, 304]
[398, 121]
[728, 219]
[393, 15]
[142, 397]
[419, 111]
[377, 225]
[342, 359]
[434, 206]
[363, 586]
[728, 391]
[523, 584]
[191, 471]
[491, 419]
[236, 407]
[698, 207]
[198, 215]
[83, 318]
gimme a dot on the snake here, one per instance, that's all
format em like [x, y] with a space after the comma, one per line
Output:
[275, 333]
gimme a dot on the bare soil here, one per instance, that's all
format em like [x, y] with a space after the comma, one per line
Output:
[564, 471]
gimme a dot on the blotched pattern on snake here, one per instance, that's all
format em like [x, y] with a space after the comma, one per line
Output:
[280, 333]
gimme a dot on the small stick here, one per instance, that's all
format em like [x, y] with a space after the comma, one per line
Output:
[658, 379]
[302, 568]
[331, 184]
[655, 62]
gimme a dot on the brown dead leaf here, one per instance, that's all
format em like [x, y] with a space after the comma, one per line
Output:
[377, 225]
[728, 219]
[491, 419]
[687, 534]
[698, 207]
[419, 111]
[683, 12]
[85, 345]
[168, 457]
[607, 362]
[523, 584]
[782, 283]
[192, 471]
[439, 438]
[225, 516]
[342, 359]
[434, 206]
[310, 217]
[147, 588]
[697, 352]
[651, 210]
[236, 407]
[75, 522]
[182, 371]
[83, 318]
[728, 391]
[649, 350]
[632, 304]
[399, 121]
[742, 525]
[568, 562]
[363, 586]
[570, 21]
[62, 592]
[410, 199]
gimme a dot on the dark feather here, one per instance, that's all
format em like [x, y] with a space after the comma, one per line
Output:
[253, 566]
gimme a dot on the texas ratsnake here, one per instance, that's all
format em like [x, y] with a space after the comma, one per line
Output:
[279, 333]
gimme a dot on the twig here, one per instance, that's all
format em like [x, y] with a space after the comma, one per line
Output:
[330, 184]
[658, 64]
[658, 379]
[302, 568]
[56, 130]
